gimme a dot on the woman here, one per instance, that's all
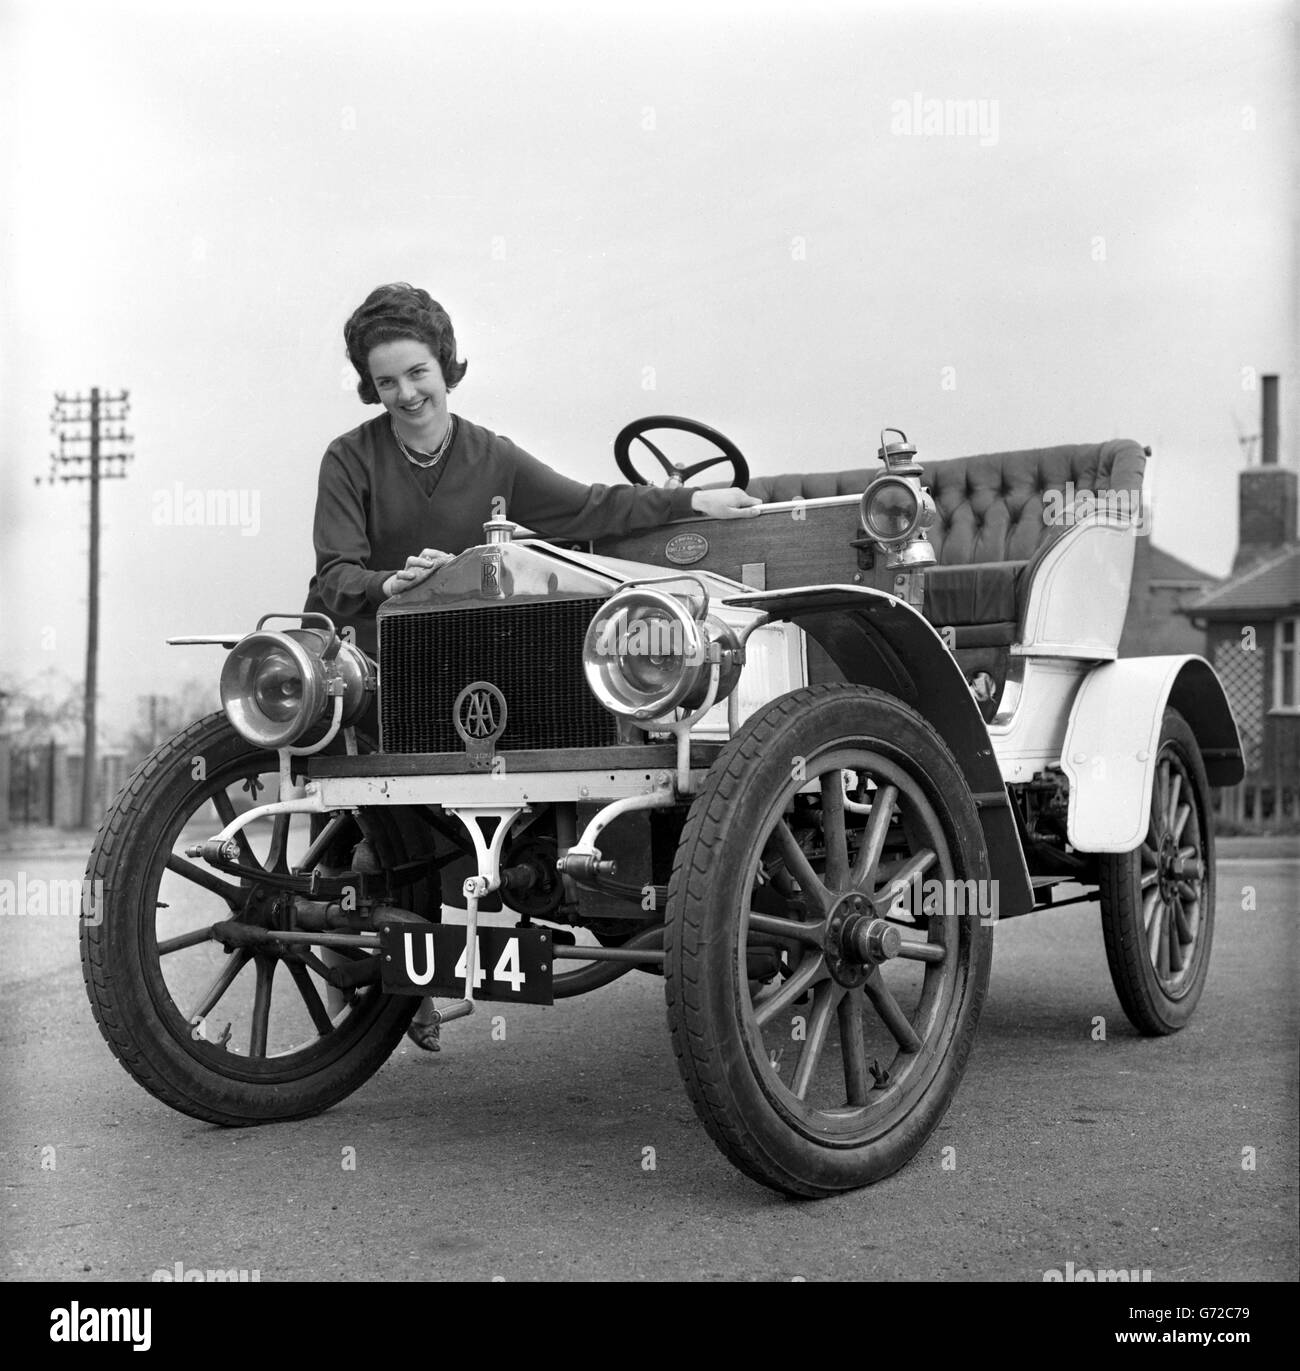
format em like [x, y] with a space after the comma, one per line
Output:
[402, 494]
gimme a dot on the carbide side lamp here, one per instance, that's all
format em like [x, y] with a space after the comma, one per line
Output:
[896, 508]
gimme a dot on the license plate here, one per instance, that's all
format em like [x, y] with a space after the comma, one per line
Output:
[511, 964]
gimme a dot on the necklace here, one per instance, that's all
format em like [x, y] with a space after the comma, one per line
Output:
[434, 458]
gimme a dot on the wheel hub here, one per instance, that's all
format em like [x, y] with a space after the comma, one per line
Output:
[856, 941]
[264, 907]
[1174, 868]
[842, 960]
[1186, 869]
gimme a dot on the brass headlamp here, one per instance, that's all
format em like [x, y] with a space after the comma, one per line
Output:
[277, 685]
[648, 652]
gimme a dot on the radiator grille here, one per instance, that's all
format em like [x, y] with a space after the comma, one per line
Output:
[532, 653]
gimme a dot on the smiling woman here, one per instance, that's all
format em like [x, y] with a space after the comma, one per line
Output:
[403, 493]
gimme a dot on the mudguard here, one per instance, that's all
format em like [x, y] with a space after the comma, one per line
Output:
[1113, 735]
[878, 640]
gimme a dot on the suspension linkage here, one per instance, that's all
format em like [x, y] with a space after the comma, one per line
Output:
[364, 885]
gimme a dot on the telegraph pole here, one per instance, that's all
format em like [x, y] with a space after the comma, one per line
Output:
[83, 426]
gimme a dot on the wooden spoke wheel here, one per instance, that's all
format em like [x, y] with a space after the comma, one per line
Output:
[826, 955]
[234, 1032]
[1157, 903]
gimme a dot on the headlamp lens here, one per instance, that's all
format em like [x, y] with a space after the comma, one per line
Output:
[278, 687]
[892, 511]
[651, 656]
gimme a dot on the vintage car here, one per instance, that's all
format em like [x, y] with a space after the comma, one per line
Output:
[797, 765]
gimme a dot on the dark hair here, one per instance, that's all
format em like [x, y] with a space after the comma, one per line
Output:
[400, 311]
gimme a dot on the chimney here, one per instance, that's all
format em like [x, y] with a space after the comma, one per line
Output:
[1268, 422]
[1266, 494]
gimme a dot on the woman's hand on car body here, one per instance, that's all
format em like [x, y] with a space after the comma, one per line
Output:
[418, 568]
[732, 503]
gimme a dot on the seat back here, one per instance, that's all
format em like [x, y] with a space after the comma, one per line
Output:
[998, 506]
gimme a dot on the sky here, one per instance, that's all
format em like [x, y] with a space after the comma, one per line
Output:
[718, 210]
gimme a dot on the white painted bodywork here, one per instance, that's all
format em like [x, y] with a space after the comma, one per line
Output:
[1079, 595]
[486, 788]
[1029, 731]
[775, 664]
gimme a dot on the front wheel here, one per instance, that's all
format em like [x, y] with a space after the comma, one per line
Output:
[828, 941]
[230, 1033]
[1157, 903]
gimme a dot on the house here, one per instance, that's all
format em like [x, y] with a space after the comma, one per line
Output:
[1252, 627]
[1161, 586]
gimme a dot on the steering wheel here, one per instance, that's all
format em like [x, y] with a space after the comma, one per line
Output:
[677, 474]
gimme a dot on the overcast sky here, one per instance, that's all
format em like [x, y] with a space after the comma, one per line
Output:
[711, 210]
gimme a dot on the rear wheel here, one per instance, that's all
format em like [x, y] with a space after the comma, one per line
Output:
[1157, 903]
[823, 981]
[240, 1036]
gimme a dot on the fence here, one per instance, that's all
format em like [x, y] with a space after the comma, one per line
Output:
[41, 785]
[1259, 805]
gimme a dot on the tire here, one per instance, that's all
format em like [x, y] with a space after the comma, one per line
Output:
[755, 848]
[298, 1058]
[1158, 919]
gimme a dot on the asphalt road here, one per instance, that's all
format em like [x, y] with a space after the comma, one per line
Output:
[525, 1159]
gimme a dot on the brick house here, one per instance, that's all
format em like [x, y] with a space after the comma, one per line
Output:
[1252, 627]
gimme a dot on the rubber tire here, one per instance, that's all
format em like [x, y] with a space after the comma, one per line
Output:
[1145, 1002]
[704, 1009]
[142, 1026]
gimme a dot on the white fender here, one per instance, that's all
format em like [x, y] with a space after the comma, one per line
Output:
[1111, 741]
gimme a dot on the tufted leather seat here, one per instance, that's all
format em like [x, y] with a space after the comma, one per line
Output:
[989, 531]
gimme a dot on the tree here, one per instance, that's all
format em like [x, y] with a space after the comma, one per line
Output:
[45, 707]
[160, 716]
